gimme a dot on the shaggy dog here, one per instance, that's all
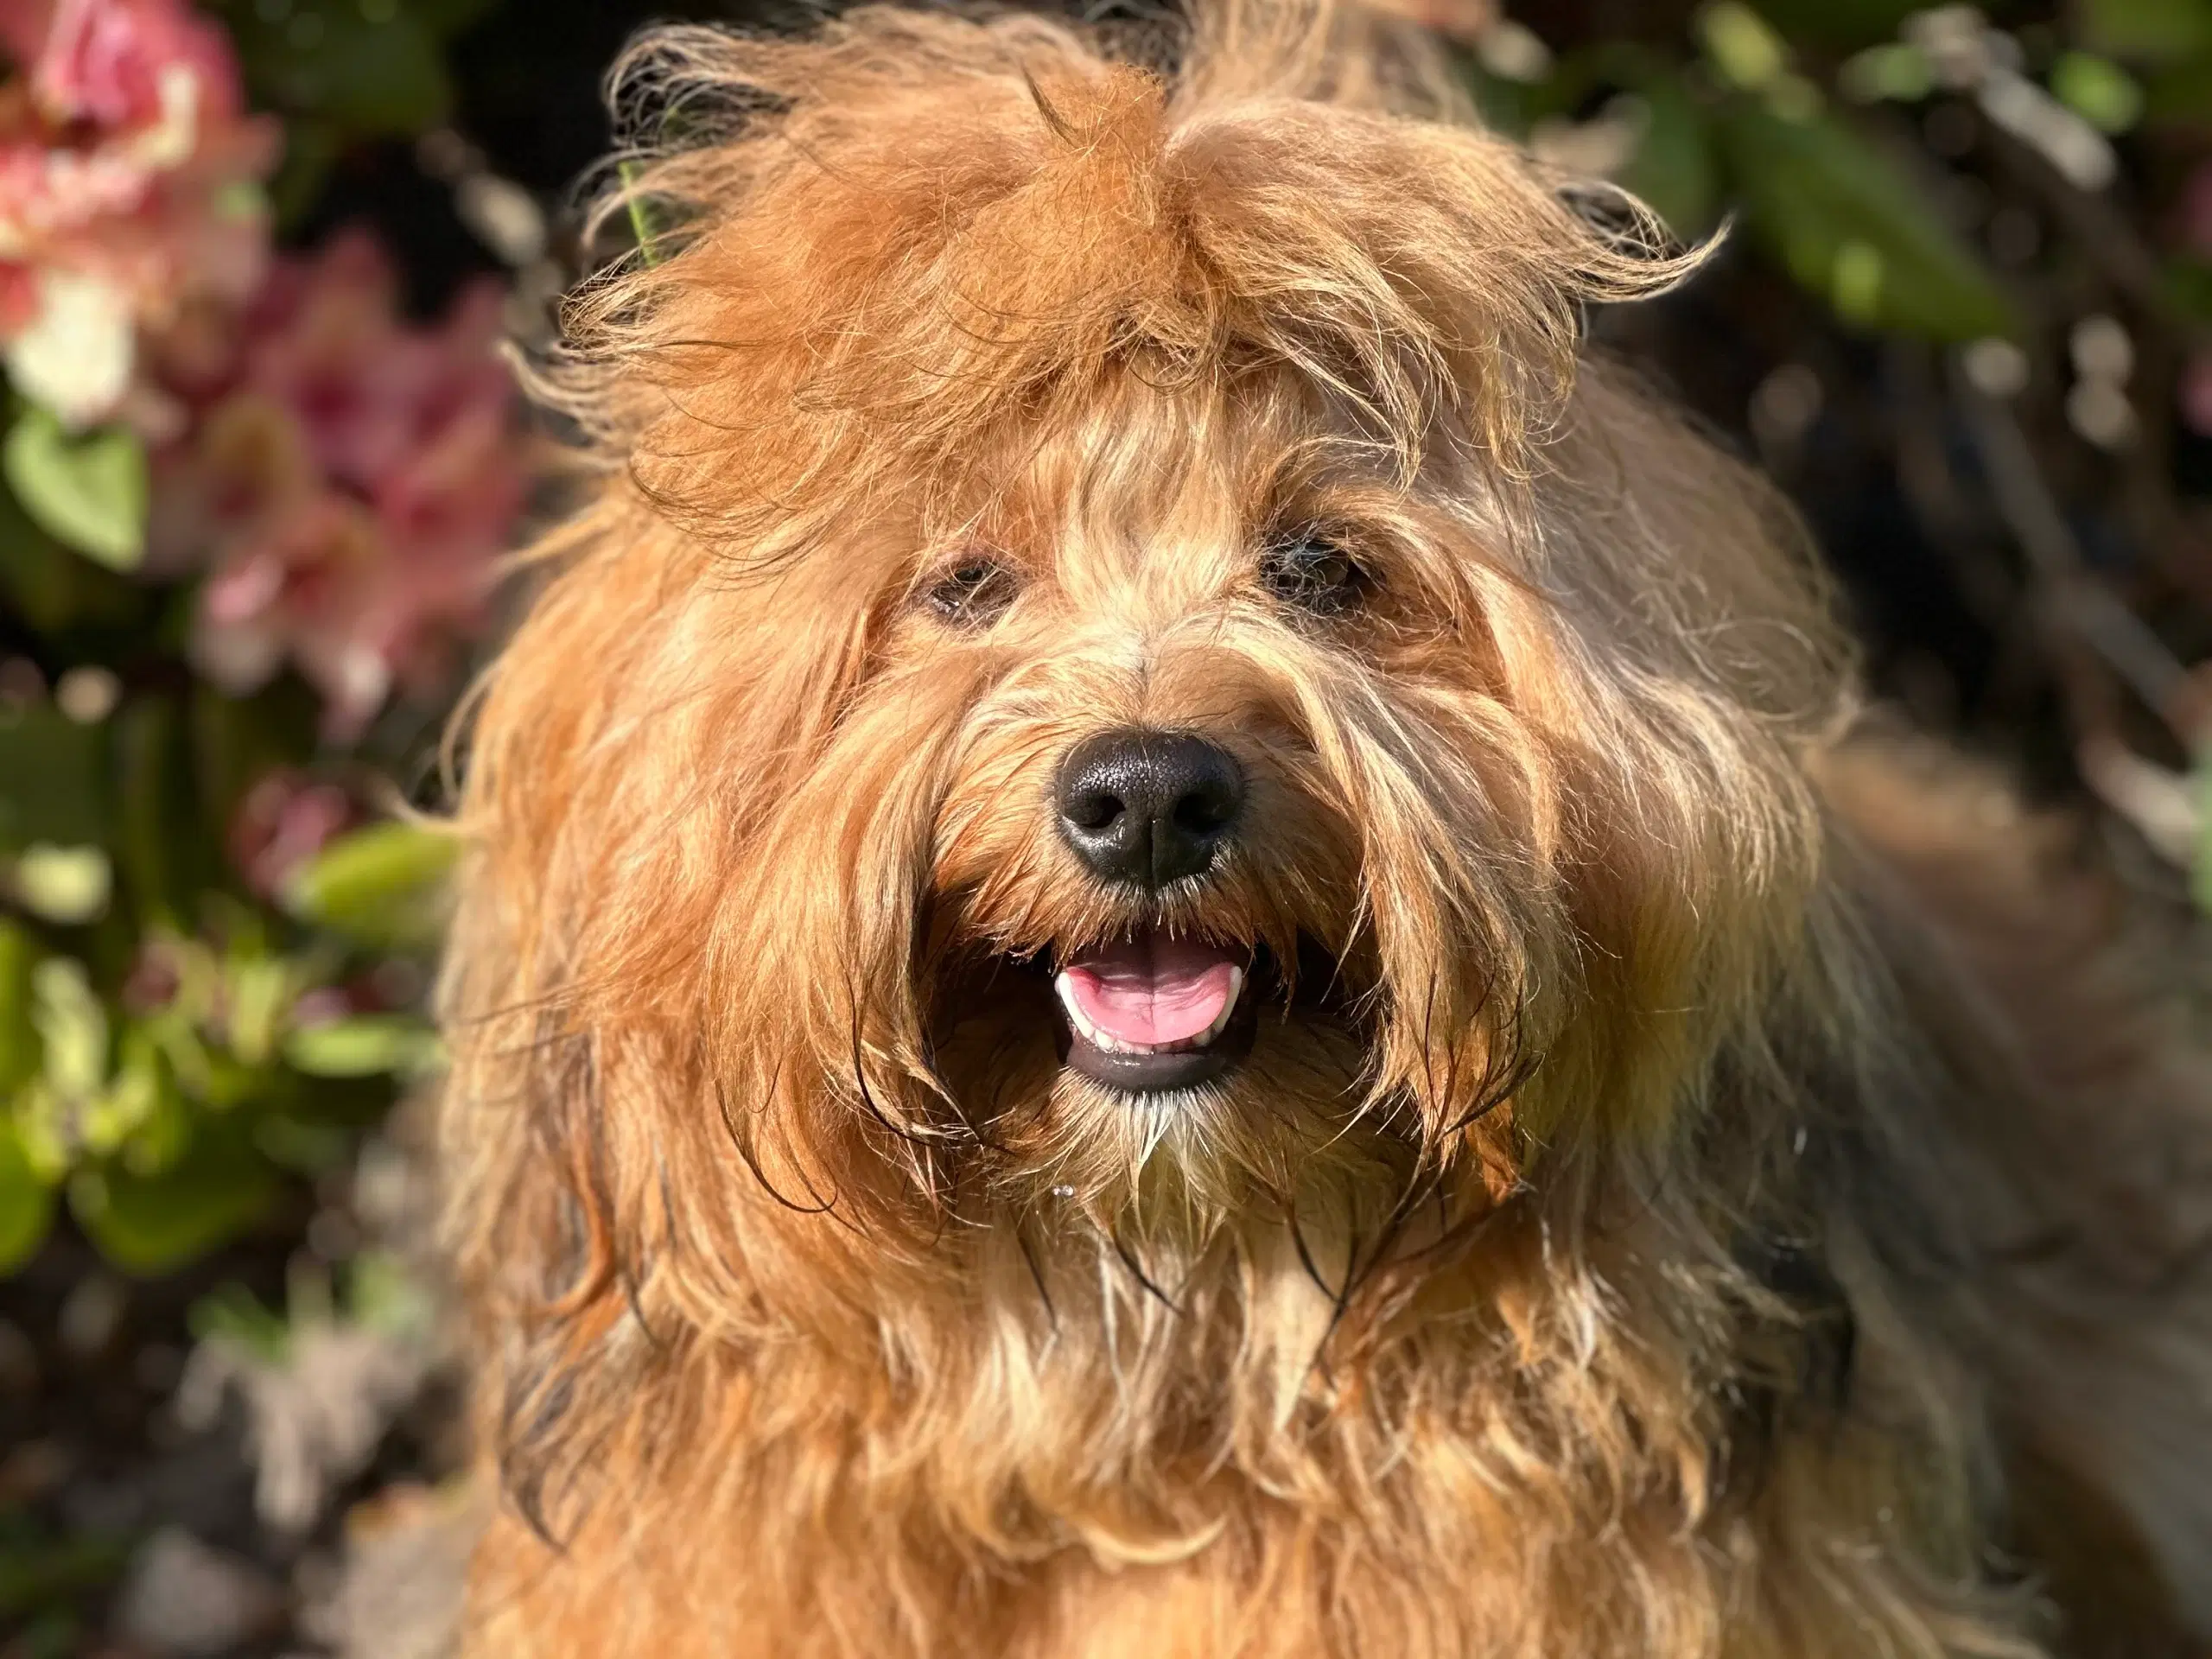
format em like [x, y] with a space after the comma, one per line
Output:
[1175, 948]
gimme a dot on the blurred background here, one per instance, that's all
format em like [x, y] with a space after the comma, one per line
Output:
[259, 457]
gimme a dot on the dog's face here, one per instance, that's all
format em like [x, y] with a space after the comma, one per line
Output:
[1216, 755]
[1122, 674]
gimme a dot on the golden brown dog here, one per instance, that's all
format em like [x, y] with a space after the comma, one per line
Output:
[1174, 951]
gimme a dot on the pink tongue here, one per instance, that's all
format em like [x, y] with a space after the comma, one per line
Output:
[1153, 989]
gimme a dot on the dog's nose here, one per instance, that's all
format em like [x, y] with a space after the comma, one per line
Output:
[1149, 807]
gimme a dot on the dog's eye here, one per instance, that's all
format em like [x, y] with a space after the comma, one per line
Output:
[973, 593]
[1315, 574]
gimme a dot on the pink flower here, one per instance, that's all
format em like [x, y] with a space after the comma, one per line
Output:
[350, 482]
[285, 819]
[127, 174]
[243, 464]
[316, 585]
[18, 298]
[123, 64]
[324, 340]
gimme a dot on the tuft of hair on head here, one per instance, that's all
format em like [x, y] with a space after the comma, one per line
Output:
[862, 253]
[1333, 52]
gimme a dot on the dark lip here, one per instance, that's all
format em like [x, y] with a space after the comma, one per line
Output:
[1160, 1074]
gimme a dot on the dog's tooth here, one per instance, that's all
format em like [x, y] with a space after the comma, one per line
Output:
[1064, 987]
[1204, 1038]
[1229, 1004]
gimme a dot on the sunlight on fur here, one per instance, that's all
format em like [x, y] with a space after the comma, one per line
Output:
[1600, 1218]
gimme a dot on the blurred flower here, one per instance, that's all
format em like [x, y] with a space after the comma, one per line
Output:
[285, 819]
[123, 63]
[156, 976]
[349, 481]
[325, 1004]
[2197, 394]
[127, 188]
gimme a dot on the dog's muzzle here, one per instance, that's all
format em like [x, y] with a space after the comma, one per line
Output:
[1159, 1011]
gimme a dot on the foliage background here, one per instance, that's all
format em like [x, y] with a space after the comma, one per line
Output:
[1963, 311]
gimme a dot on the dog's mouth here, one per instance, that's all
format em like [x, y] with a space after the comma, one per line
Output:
[1155, 1014]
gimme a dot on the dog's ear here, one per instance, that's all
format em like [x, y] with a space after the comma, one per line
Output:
[1697, 662]
[651, 708]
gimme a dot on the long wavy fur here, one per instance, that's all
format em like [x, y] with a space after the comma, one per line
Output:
[1614, 1244]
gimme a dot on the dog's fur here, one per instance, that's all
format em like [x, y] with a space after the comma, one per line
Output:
[1706, 1186]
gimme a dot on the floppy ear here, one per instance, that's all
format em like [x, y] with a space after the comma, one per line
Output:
[622, 755]
[1699, 663]
[653, 705]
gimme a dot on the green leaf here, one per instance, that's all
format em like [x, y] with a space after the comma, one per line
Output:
[230, 1082]
[39, 1574]
[1855, 228]
[73, 1029]
[89, 492]
[2180, 94]
[382, 1294]
[1509, 103]
[1842, 24]
[140, 1112]
[67, 884]
[1673, 170]
[235, 741]
[150, 1224]
[372, 70]
[1742, 46]
[383, 885]
[20, 1049]
[231, 1313]
[53, 588]
[26, 1202]
[1895, 70]
[53, 779]
[443, 18]
[56, 1633]
[369, 1045]
[307, 1148]
[2189, 283]
[2098, 90]
[644, 218]
[258, 994]
[161, 857]
[2160, 31]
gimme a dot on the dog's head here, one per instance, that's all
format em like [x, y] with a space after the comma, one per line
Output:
[1118, 659]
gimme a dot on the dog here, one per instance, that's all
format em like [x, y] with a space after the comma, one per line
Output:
[1182, 939]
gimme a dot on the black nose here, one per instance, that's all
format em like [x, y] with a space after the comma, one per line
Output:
[1149, 807]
